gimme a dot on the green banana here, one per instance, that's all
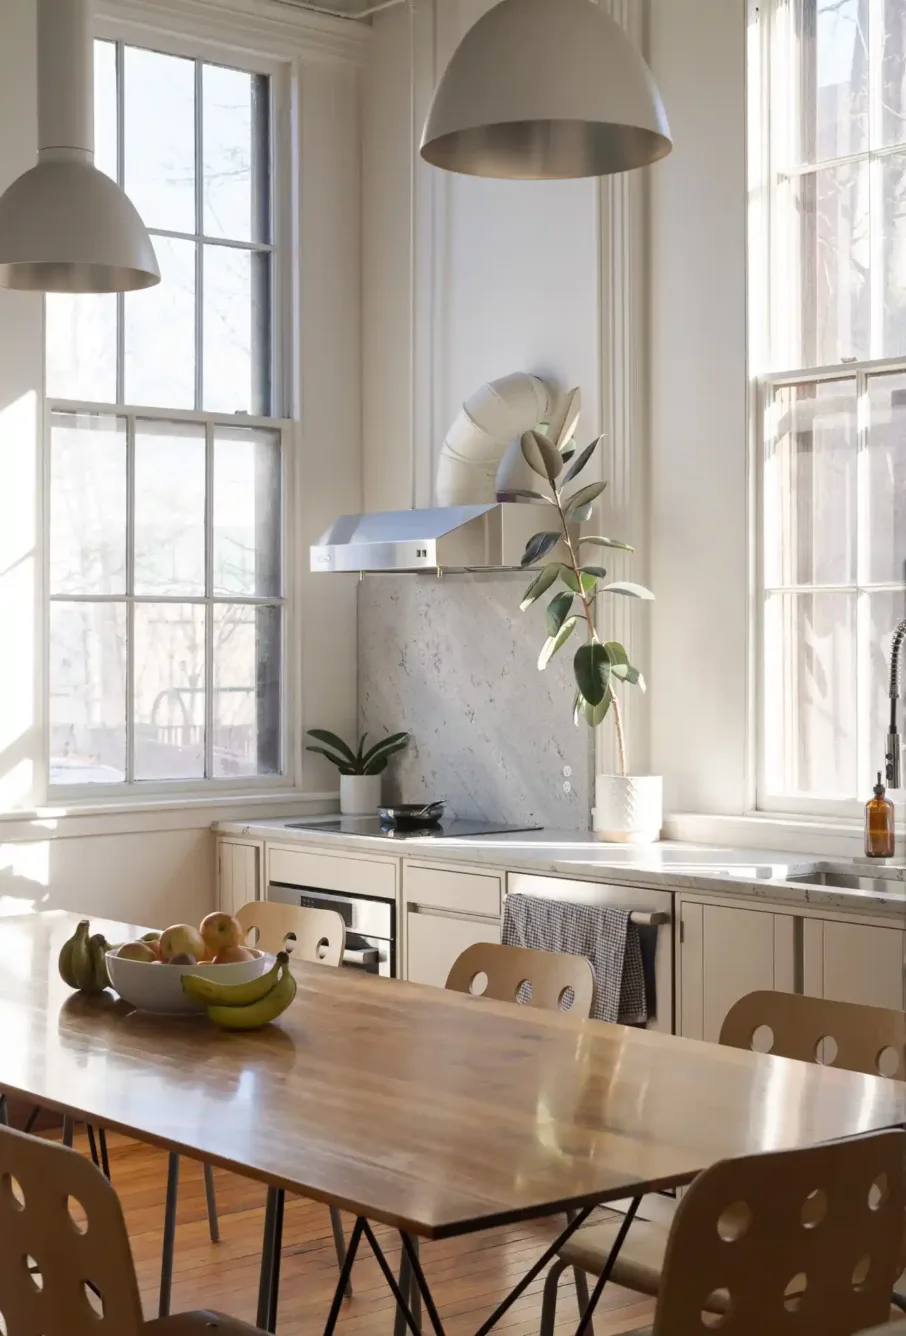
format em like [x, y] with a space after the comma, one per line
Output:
[67, 960]
[259, 1013]
[98, 946]
[211, 993]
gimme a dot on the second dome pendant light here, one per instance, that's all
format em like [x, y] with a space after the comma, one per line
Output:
[546, 90]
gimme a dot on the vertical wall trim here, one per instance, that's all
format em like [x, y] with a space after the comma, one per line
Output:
[623, 275]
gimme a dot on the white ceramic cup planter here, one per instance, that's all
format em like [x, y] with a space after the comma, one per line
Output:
[629, 809]
[360, 795]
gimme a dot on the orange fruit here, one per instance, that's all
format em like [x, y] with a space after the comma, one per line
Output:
[232, 955]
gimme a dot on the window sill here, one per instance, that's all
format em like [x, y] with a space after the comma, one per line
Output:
[166, 812]
[828, 837]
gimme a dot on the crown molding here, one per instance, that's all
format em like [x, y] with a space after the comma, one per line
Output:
[275, 29]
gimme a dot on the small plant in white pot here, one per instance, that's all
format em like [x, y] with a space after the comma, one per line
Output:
[628, 808]
[360, 770]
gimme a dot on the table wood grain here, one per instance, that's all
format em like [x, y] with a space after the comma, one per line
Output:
[426, 1110]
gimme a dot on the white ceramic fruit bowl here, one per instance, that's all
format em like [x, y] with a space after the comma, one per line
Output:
[153, 987]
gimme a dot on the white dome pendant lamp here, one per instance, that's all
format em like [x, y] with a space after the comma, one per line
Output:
[546, 90]
[64, 225]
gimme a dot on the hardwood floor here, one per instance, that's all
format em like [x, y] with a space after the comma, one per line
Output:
[468, 1276]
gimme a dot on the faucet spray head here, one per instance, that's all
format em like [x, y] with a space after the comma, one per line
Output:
[894, 765]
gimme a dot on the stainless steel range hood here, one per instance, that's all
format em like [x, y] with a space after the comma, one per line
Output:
[481, 537]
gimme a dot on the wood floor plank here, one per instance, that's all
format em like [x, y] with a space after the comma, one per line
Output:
[468, 1276]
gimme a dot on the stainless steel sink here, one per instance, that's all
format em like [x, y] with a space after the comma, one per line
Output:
[851, 881]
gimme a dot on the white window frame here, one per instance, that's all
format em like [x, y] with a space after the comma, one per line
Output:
[138, 792]
[763, 332]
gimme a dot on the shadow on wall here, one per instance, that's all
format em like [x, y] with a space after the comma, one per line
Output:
[154, 878]
[454, 661]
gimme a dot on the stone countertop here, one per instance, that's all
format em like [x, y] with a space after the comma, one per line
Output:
[703, 869]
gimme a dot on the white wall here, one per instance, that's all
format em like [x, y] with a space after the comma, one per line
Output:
[699, 429]
[155, 868]
[476, 278]
[506, 273]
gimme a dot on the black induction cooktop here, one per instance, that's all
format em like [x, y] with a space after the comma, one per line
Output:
[441, 830]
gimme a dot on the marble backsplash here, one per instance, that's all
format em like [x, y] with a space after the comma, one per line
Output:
[454, 661]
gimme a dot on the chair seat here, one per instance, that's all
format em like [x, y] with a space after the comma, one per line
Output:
[641, 1258]
[202, 1322]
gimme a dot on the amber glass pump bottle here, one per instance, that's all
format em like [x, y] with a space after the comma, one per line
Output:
[879, 827]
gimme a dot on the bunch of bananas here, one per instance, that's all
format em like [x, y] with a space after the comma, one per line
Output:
[83, 960]
[245, 1006]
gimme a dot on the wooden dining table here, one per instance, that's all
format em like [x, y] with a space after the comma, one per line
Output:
[435, 1113]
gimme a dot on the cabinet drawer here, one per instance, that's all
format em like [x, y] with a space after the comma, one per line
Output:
[434, 942]
[332, 872]
[463, 892]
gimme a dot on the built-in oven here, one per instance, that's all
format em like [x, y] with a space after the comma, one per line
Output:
[370, 923]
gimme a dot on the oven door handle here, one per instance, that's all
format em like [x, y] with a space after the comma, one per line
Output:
[369, 955]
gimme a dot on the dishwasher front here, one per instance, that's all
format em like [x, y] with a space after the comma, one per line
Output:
[652, 913]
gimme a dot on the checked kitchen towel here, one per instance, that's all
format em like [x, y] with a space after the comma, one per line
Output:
[606, 937]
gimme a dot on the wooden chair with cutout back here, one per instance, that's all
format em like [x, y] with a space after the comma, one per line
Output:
[312, 935]
[804, 1242]
[548, 980]
[858, 1038]
[543, 979]
[66, 1267]
[317, 936]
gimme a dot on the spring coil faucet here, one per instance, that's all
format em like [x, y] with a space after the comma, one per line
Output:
[893, 738]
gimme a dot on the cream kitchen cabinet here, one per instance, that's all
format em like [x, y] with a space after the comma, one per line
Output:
[854, 962]
[447, 909]
[434, 939]
[238, 873]
[724, 953]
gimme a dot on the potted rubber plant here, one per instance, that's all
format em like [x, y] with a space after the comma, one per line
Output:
[360, 770]
[627, 807]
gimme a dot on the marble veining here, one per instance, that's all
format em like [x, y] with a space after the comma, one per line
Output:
[454, 661]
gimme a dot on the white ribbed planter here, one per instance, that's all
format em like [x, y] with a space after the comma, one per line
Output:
[360, 795]
[629, 809]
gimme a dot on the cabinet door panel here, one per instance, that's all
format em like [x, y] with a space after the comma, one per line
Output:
[435, 941]
[743, 951]
[860, 963]
[238, 874]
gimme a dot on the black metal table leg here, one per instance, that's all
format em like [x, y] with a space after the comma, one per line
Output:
[67, 1130]
[608, 1266]
[210, 1197]
[169, 1239]
[105, 1159]
[92, 1146]
[401, 1300]
[4, 1112]
[267, 1259]
[352, 1248]
[32, 1118]
[578, 1219]
[276, 1254]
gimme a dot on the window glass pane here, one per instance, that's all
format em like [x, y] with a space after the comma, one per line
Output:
[160, 138]
[87, 693]
[246, 690]
[833, 95]
[80, 335]
[810, 697]
[884, 612]
[236, 330]
[160, 332]
[829, 255]
[892, 293]
[810, 486]
[235, 133]
[105, 118]
[247, 512]
[169, 508]
[169, 690]
[87, 504]
[893, 63]
[885, 481]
